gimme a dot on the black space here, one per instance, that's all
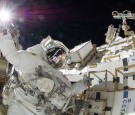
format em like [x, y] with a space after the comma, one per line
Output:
[70, 21]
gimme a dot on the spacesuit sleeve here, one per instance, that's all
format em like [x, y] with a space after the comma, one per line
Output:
[8, 49]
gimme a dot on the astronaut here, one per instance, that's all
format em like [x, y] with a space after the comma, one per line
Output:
[36, 87]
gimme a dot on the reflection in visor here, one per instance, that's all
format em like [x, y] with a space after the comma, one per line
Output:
[56, 57]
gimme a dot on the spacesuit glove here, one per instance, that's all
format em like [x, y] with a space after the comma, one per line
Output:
[78, 88]
[5, 37]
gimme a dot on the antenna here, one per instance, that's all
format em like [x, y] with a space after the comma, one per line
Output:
[124, 16]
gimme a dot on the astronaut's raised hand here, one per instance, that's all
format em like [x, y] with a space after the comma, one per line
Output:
[4, 36]
[8, 49]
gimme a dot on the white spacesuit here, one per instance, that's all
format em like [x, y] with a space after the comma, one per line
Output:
[37, 88]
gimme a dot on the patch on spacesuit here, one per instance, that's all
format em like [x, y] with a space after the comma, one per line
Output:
[45, 85]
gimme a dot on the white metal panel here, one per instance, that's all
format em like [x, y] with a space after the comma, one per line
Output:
[124, 102]
[106, 97]
[110, 100]
[83, 50]
[97, 106]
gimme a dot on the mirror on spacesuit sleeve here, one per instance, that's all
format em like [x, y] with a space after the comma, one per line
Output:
[56, 57]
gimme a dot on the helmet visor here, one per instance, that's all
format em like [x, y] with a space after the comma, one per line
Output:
[56, 57]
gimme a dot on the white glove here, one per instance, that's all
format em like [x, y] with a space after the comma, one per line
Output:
[5, 37]
[78, 88]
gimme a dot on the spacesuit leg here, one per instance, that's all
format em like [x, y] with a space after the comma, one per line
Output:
[15, 108]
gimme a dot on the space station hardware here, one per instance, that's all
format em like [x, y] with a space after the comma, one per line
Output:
[124, 16]
[111, 73]
[111, 34]
[80, 55]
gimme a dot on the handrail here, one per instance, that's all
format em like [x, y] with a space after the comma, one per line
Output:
[106, 75]
[118, 70]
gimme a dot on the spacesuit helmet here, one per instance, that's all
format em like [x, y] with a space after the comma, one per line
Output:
[56, 52]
